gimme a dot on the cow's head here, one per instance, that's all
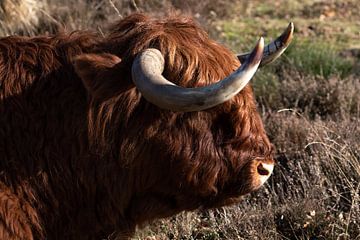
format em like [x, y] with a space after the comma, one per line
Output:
[175, 106]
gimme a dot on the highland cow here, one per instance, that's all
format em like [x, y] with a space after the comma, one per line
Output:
[101, 134]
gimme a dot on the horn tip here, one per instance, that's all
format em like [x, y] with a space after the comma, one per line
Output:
[259, 49]
[290, 29]
[287, 35]
[291, 26]
[257, 53]
[261, 41]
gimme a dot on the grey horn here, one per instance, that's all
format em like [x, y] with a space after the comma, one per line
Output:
[147, 71]
[275, 48]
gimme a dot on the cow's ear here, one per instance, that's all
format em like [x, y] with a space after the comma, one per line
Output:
[103, 75]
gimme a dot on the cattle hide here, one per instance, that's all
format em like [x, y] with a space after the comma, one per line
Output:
[83, 155]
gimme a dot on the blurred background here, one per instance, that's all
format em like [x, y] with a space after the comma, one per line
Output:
[309, 100]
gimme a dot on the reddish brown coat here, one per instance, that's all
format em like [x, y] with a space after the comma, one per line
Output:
[83, 155]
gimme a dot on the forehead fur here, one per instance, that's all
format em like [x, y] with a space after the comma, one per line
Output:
[191, 57]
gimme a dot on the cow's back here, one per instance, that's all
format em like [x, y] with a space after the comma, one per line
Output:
[43, 108]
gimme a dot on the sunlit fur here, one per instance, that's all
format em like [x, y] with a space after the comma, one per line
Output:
[83, 155]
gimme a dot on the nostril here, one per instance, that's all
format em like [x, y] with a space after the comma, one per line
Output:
[264, 169]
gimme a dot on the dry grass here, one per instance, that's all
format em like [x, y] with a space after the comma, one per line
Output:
[309, 100]
[20, 16]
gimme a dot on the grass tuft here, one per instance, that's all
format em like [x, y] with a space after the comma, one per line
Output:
[318, 59]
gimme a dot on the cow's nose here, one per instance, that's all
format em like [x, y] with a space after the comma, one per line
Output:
[264, 170]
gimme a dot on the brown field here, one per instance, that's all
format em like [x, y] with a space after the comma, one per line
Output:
[309, 101]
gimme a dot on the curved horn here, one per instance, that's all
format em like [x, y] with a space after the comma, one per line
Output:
[149, 65]
[275, 48]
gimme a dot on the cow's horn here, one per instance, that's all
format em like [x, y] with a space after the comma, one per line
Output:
[147, 71]
[275, 48]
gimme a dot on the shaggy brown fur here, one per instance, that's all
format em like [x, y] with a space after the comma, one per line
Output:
[83, 155]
